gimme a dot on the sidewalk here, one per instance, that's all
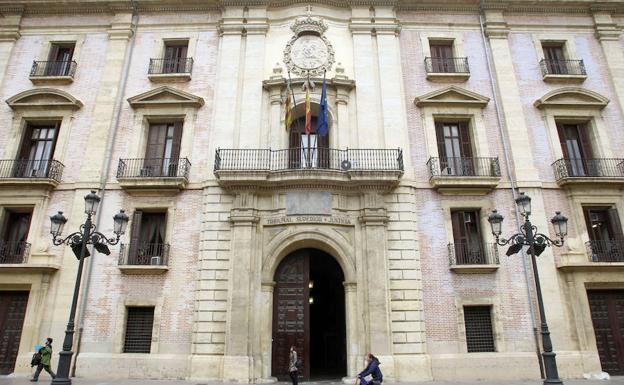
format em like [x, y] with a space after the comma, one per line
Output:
[10, 380]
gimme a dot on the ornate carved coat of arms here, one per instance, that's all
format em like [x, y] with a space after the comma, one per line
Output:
[308, 53]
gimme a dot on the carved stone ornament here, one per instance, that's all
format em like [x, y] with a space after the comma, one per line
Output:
[308, 53]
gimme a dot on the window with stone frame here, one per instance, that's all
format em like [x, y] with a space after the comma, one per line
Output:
[15, 228]
[139, 326]
[479, 333]
[147, 238]
[455, 148]
[60, 59]
[36, 150]
[606, 237]
[162, 152]
[577, 149]
[175, 60]
[442, 57]
[555, 58]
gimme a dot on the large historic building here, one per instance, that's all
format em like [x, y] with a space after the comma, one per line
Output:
[246, 238]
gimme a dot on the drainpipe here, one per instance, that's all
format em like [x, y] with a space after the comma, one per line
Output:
[512, 179]
[104, 174]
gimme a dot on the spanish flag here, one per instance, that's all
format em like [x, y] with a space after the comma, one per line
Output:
[308, 112]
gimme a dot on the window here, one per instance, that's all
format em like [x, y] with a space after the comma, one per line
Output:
[59, 59]
[479, 335]
[175, 57]
[147, 242]
[554, 58]
[13, 246]
[605, 234]
[307, 150]
[576, 149]
[455, 148]
[139, 325]
[36, 150]
[468, 245]
[442, 59]
[163, 149]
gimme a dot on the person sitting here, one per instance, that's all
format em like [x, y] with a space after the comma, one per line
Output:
[372, 369]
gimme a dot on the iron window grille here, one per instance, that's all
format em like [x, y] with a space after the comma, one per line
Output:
[479, 334]
[139, 326]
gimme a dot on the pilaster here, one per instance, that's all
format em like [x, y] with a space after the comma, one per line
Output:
[119, 35]
[9, 34]
[608, 33]
[520, 145]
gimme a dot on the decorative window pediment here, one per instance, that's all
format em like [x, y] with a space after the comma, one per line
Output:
[48, 98]
[166, 97]
[452, 96]
[572, 97]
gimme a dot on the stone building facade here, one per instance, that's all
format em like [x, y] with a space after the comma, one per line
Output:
[246, 238]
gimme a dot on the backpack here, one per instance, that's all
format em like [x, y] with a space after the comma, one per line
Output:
[36, 359]
[299, 364]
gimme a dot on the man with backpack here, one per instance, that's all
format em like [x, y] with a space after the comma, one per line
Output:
[43, 360]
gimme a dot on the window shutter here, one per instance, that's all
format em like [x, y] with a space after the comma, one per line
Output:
[459, 229]
[466, 144]
[177, 140]
[585, 143]
[54, 50]
[26, 142]
[135, 234]
[616, 226]
[440, 139]
[562, 140]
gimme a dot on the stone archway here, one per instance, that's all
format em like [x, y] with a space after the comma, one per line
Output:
[309, 313]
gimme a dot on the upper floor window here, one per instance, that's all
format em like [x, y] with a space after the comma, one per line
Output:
[15, 228]
[162, 152]
[307, 150]
[455, 148]
[147, 242]
[37, 149]
[175, 57]
[442, 56]
[554, 56]
[59, 59]
[606, 238]
[468, 244]
[576, 147]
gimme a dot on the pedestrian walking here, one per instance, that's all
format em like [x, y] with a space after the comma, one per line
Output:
[293, 369]
[372, 369]
[44, 363]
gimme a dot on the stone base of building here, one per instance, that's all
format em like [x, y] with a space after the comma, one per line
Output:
[149, 366]
[485, 366]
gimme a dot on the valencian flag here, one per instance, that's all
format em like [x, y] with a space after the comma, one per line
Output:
[308, 112]
[322, 127]
[288, 117]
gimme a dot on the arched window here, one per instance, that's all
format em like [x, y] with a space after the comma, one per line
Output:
[307, 151]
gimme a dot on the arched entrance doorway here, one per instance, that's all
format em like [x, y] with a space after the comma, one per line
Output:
[309, 313]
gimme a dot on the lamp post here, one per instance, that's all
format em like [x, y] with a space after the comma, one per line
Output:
[78, 241]
[537, 243]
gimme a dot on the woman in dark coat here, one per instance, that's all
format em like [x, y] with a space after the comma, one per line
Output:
[293, 371]
[372, 369]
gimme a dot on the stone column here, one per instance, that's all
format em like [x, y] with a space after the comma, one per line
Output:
[354, 349]
[238, 361]
[510, 101]
[108, 91]
[9, 33]
[377, 315]
[341, 133]
[277, 99]
[608, 33]
[266, 330]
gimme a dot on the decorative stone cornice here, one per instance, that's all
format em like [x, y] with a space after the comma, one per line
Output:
[378, 26]
[373, 217]
[243, 26]
[452, 96]
[46, 98]
[572, 97]
[166, 96]
[606, 28]
[244, 217]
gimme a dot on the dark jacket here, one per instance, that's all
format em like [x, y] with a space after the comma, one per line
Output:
[373, 369]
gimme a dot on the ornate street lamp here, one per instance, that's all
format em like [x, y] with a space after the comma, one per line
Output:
[537, 243]
[78, 241]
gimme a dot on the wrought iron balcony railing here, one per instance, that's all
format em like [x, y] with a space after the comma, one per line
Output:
[450, 65]
[170, 66]
[144, 254]
[53, 68]
[309, 158]
[589, 168]
[14, 252]
[562, 67]
[473, 254]
[153, 168]
[477, 167]
[50, 169]
[605, 251]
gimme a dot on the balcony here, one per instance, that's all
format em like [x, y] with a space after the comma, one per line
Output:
[605, 251]
[147, 176]
[144, 258]
[467, 176]
[42, 173]
[451, 69]
[170, 70]
[473, 258]
[589, 172]
[563, 70]
[306, 166]
[53, 72]
[14, 252]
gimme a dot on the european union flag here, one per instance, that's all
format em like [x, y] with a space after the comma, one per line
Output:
[322, 127]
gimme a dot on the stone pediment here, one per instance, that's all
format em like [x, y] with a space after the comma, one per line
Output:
[572, 97]
[452, 96]
[166, 97]
[48, 98]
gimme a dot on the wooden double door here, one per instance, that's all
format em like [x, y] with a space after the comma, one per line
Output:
[309, 313]
[12, 312]
[607, 312]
